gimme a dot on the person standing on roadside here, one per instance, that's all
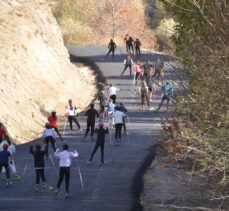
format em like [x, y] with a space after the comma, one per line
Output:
[71, 112]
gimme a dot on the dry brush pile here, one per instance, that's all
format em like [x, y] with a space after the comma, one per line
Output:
[202, 138]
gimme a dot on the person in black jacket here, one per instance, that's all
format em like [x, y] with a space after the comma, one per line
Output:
[101, 132]
[39, 165]
[111, 47]
[91, 114]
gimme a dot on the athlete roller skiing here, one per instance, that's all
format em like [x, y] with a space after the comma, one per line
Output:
[65, 160]
[53, 123]
[39, 165]
[101, 132]
[91, 114]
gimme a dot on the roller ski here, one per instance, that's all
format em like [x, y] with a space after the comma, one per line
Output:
[68, 196]
[56, 193]
[47, 187]
[3, 177]
[8, 183]
[17, 177]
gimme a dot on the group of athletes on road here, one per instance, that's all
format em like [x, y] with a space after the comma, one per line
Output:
[148, 74]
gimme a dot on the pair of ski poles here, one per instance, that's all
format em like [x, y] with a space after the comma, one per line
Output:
[78, 167]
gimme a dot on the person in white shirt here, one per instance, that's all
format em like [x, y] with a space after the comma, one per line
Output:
[112, 92]
[118, 120]
[71, 112]
[65, 160]
[49, 135]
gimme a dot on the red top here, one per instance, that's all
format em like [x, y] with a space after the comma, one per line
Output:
[2, 132]
[126, 38]
[53, 121]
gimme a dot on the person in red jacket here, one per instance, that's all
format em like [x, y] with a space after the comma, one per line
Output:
[3, 133]
[53, 123]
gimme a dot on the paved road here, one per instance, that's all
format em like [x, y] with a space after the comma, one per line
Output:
[113, 187]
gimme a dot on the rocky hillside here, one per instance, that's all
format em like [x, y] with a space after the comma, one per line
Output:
[36, 75]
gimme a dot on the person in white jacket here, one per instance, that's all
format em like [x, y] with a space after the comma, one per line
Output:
[65, 160]
[11, 149]
[71, 112]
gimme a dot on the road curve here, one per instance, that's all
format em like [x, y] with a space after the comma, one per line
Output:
[112, 187]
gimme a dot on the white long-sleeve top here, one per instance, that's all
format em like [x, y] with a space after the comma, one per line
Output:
[11, 148]
[65, 157]
[49, 132]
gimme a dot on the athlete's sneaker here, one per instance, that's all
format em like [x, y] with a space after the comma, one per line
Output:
[16, 177]
[116, 142]
[88, 162]
[8, 183]
[36, 187]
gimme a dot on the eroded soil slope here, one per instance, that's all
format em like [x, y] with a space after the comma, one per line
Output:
[36, 75]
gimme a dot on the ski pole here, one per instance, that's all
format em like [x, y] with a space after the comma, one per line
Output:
[53, 164]
[81, 180]
[134, 78]
[25, 168]
[64, 126]
[110, 144]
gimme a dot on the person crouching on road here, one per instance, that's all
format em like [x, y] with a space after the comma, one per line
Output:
[39, 165]
[101, 132]
[65, 160]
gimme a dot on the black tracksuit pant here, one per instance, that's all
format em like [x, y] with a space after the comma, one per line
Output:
[40, 174]
[101, 145]
[73, 118]
[64, 172]
[90, 125]
[6, 166]
[52, 141]
[118, 130]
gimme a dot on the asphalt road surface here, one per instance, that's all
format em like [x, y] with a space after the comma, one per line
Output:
[112, 187]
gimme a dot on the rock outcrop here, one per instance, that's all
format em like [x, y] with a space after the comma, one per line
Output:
[36, 75]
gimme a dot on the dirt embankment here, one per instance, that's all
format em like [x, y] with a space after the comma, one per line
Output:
[36, 74]
[171, 184]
